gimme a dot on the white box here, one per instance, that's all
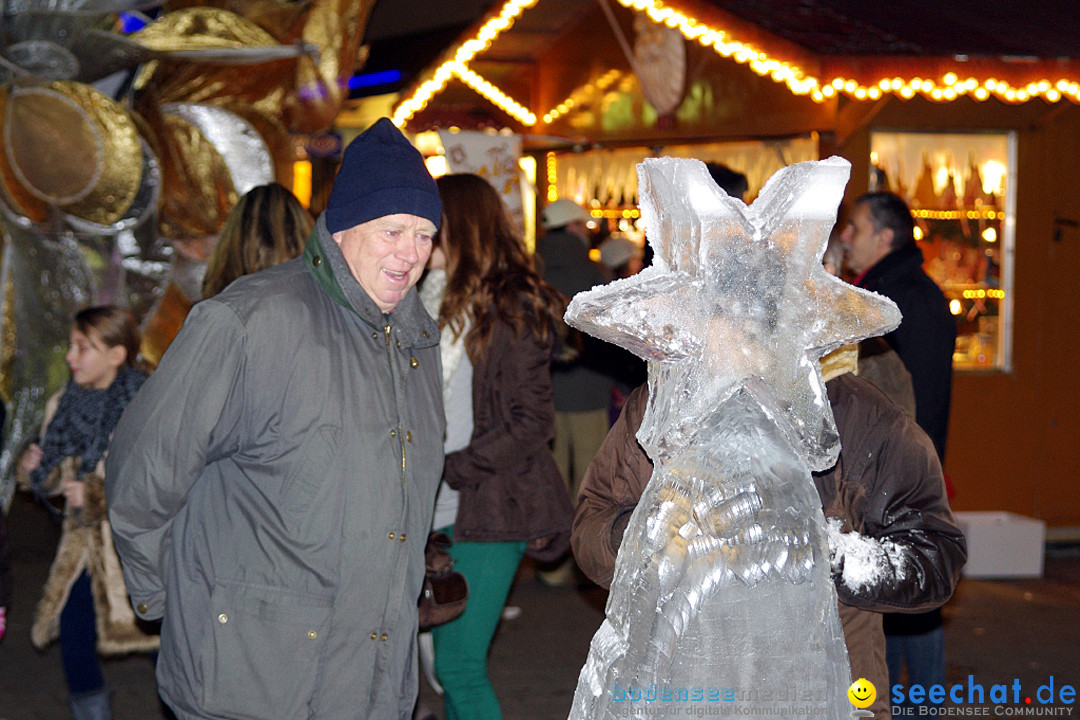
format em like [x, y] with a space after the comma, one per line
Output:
[1002, 544]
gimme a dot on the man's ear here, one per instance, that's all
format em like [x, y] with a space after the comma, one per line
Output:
[887, 235]
[116, 355]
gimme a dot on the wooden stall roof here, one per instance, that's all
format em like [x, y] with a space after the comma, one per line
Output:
[824, 49]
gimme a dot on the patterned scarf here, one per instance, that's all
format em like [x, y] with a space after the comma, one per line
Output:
[84, 422]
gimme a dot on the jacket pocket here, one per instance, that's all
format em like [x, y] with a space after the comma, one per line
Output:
[308, 475]
[262, 655]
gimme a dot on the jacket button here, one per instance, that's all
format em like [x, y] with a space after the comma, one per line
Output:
[414, 362]
[141, 607]
[223, 618]
[398, 343]
[425, 333]
[408, 436]
[312, 634]
[383, 637]
[393, 433]
[374, 636]
[402, 537]
[374, 336]
[316, 261]
[390, 536]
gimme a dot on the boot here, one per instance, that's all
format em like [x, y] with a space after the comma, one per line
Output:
[92, 705]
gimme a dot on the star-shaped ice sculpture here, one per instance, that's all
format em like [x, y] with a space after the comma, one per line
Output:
[737, 298]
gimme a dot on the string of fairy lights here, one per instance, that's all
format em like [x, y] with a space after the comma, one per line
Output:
[949, 87]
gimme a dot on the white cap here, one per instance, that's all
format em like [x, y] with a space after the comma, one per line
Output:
[618, 250]
[563, 212]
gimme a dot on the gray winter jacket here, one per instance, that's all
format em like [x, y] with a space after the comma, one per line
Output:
[271, 488]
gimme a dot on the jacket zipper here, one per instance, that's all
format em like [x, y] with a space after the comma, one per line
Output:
[400, 434]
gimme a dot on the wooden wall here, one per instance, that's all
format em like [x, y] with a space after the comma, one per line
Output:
[1014, 438]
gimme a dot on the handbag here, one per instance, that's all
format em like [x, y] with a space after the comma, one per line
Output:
[445, 590]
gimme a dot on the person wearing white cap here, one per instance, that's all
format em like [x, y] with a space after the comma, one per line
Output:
[621, 255]
[582, 389]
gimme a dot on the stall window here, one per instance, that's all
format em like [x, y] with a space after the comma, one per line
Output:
[961, 188]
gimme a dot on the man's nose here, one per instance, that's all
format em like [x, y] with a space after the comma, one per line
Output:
[407, 249]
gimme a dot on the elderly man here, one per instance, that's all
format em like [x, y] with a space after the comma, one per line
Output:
[582, 388]
[271, 487]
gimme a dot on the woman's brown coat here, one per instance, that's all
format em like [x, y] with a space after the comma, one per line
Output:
[510, 486]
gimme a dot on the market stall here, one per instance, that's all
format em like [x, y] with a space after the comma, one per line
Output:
[977, 130]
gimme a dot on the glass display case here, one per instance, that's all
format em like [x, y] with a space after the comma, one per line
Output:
[961, 189]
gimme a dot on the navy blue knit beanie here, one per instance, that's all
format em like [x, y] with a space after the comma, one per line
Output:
[381, 174]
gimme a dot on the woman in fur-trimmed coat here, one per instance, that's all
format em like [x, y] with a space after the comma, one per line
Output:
[85, 602]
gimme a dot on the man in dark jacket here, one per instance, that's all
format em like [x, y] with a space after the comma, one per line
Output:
[886, 486]
[272, 485]
[582, 389]
[880, 247]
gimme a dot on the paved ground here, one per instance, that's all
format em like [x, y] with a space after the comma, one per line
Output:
[996, 632]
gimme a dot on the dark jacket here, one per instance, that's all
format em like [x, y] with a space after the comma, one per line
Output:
[583, 382]
[886, 484]
[5, 566]
[5, 556]
[925, 339]
[271, 488]
[510, 486]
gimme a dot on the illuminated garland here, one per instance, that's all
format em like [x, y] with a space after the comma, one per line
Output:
[602, 83]
[459, 66]
[950, 87]
[981, 293]
[500, 99]
[924, 214]
[615, 213]
[552, 178]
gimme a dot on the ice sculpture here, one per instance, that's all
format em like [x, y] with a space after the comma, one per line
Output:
[722, 592]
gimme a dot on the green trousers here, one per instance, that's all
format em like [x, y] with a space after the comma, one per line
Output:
[461, 645]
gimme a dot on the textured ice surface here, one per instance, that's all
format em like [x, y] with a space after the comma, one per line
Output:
[722, 592]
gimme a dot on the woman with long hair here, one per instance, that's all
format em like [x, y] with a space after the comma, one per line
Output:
[84, 602]
[502, 494]
[267, 226]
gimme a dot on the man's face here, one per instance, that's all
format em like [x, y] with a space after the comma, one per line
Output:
[863, 245]
[387, 255]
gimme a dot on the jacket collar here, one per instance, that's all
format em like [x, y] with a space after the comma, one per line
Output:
[898, 262]
[327, 266]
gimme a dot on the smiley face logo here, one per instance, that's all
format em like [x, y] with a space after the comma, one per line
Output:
[862, 693]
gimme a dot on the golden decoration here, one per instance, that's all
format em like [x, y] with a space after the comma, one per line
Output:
[73, 147]
[162, 326]
[8, 341]
[197, 188]
[14, 193]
